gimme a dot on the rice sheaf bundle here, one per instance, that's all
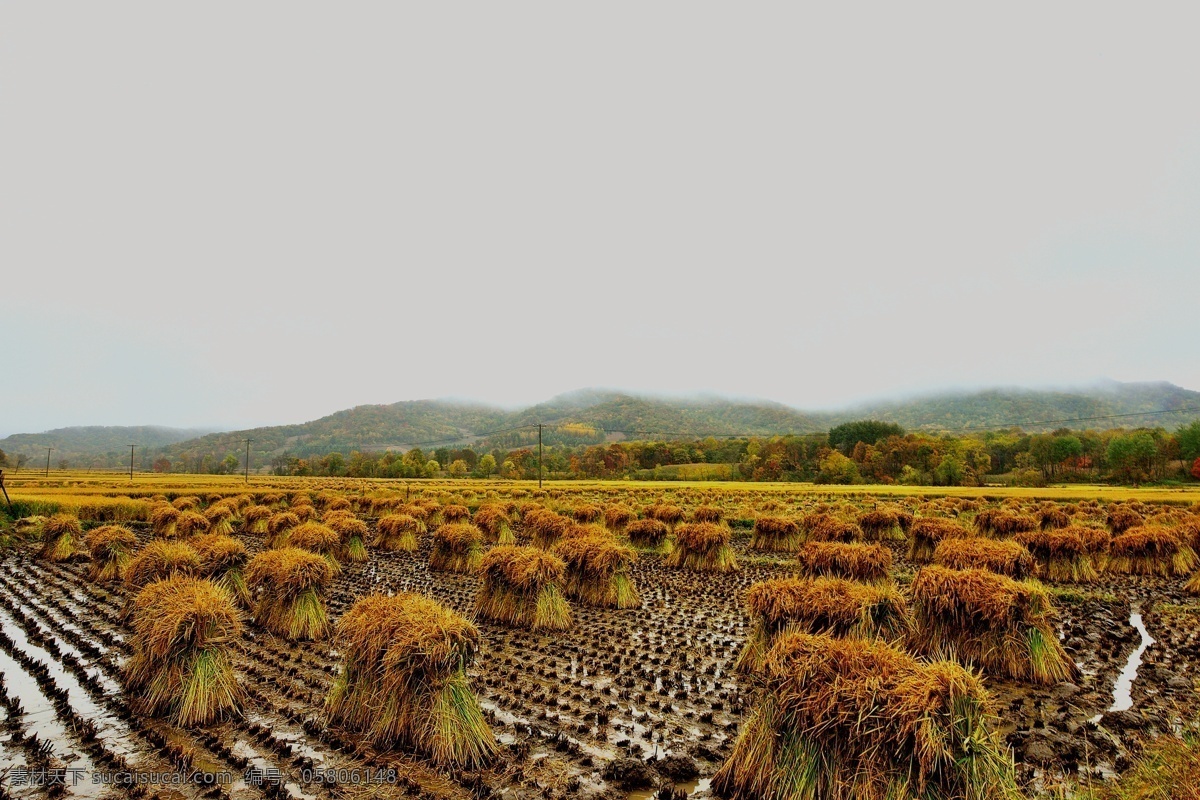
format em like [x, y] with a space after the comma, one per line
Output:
[587, 512]
[1002, 557]
[191, 523]
[304, 511]
[617, 517]
[1071, 554]
[397, 533]
[856, 561]
[62, 537]
[352, 532]
[523, 586]
[1004, 626]
[279, 525]
[1150, 551]
[1121, 519]
[926, 533]
[289, 587]
[665, 513]
[1188, 531]
[335, 503]
[111, 547]
[775, 535]
[880, 524]
[457, 547]
[707, 514]
[186, 503]
[404, 680]
[598, 571]
[852, 719]
[163, 518]
[547, 527]
[181, 667]
[493, 521]
[254, 519]
[219, 518]
[1051, 518]
[161, 558]
[454, 513]
[1001, 523]
[702, 547]
[320, 539]
[223, 561]
[649, 534]
[832, 606]
[828, 528]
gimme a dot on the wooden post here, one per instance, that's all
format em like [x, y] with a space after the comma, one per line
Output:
[539, 455]
[2, 489]
[131, 461]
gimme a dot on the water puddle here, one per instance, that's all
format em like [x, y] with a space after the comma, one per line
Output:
[690, 789]
[1123, 692]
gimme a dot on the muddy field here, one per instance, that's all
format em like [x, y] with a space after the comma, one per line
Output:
[625, 704]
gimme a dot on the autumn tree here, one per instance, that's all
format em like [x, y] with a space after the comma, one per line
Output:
[486, 465]
[837, 468]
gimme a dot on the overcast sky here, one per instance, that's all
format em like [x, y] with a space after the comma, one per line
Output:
[227, 214]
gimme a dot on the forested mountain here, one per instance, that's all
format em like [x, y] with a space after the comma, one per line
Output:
[1038, 410]
[594, 416]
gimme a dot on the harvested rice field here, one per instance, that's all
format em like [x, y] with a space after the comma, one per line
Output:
[329, 639]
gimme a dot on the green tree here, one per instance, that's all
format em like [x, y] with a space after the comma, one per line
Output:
[334, 464]
[487, 465]
[457, 468]
[870, 431]
[949, 471]
[1132, 456]
[432, 468]
[1189, 441]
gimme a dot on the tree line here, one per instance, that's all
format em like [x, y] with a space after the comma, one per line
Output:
[866, 451]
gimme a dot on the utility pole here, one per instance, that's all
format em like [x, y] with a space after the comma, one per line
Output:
[131, 461]
[48, 449]
[248, 441]
[539, 455]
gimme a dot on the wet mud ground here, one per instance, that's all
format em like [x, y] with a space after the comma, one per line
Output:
[623, 704]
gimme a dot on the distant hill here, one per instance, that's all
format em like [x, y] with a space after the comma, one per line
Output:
[95, 446]
[373, 427]
[1038, 410]
[594, 416]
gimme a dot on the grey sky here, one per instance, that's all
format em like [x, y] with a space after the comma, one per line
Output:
[245, 213]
